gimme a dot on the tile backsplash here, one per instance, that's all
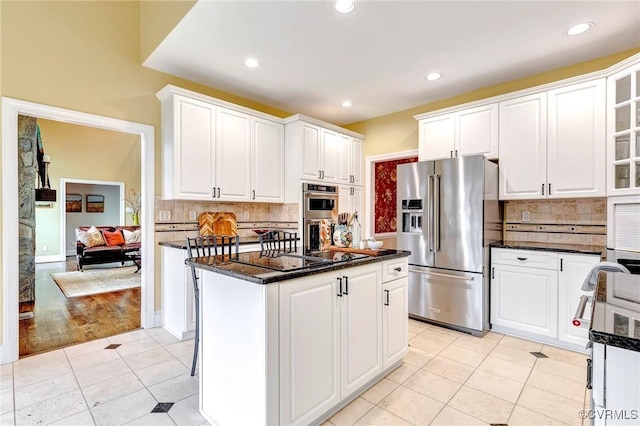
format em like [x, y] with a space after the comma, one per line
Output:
[572, 221]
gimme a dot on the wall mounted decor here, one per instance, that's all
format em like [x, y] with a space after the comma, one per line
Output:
[73, 203]
[95, 203]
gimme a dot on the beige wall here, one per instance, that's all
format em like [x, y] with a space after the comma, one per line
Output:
[157, 19]
[399, 131]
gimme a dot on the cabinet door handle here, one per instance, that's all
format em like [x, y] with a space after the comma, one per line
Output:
[549, 189]
[339, 287]
[319, 174]
[323, 174]
[218, 192]
[522, 259]
[213, 192]
[387, 302]
[346, 286]
[543, 189]
[589, 373]
[451, 153]
[456, 152]
[561, 259]
[254, 194]
[493, 273]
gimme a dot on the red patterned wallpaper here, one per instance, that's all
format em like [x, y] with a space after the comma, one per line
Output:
[384, 211]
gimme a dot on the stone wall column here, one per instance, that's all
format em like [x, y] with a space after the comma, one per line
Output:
[27, 171]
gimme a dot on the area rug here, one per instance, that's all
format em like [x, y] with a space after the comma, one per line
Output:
[96, 281]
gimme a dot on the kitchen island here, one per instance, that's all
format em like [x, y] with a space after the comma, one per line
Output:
[292, 339]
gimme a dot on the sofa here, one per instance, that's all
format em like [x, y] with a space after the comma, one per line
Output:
[106, 244]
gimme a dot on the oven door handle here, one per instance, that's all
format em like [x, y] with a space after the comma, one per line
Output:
[582, 305]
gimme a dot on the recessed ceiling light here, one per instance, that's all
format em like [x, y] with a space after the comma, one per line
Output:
[433, 76]
[580, 28]
[347, 104]
[252, 63]
[344, 6]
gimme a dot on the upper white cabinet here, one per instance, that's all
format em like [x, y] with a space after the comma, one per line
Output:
[551, 143]
[623, 132]
[214, 150]
[469, 131]
[318, 151]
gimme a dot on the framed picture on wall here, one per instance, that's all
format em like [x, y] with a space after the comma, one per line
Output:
[95, 203]
[73, 203]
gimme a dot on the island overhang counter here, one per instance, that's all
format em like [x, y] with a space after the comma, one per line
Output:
[293, 347]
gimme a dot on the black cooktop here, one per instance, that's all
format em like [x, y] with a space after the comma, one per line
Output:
[292, 261]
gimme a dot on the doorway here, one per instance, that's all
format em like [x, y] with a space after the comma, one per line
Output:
[11, 108]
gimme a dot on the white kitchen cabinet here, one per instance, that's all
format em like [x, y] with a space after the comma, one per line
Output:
[267, 161]
[178, 305]
[395, 311]
[535, 295]
[351, 199]
[574, 268]
[551, 143]
[309, 348]
[469, 131]
[330, 339]
[233, 157]
[525, 299]
[623, 131]
[322, 152]
[208, 149]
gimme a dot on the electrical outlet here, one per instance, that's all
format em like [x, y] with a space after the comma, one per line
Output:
[526, 216]
[164, 215]
[192, 215]
[45, 247]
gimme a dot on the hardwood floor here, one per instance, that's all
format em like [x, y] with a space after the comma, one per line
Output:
[58, 322]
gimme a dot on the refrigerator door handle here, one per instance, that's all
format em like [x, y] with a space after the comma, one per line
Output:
[436, 208]
[430, 241]
[437, 274]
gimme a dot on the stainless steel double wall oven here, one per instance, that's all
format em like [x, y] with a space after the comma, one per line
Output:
[320, 204]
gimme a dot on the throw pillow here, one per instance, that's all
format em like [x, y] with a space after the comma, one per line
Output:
[113, 238]
[132, 236]
[91, 237]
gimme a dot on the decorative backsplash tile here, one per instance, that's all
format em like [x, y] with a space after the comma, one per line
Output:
[573, 221]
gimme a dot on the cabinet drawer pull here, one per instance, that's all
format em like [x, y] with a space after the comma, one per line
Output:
[398, 269]
[522, 259]
[387, 302]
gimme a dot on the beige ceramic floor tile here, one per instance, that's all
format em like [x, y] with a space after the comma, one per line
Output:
[565, 355]
[412, 406]
[520, 344]
[51, 410]
[563, 369]
[402, 373]
[495, 385]
[481, 405]
[82, 418]
[551, 405]
[131, 336]
[379, 391]
[417, 327]
[351, 413]
[101, 372]
[504, 368]
[443, 334]
[493, 336]
[89, 359]
[111, 389]
[475, 344]
[428, 344]
[83, 348]
[381, 417]
[417, 358]
[513, 355]
[557, 384]
[6, 402]
[7, 419]
[44, 390]
[451, 417]
[463, 355]
[433, 385]
[524, 417]
[452, 370]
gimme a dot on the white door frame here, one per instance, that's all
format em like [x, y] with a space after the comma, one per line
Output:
[63, 212]
[369, 196]
[11, 108]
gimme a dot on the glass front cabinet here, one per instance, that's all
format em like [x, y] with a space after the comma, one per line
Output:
[623, 132]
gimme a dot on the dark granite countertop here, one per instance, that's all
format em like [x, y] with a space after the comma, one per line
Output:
[260, 275]
[564, 248]
[615, 314]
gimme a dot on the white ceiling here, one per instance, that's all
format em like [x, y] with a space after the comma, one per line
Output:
[312, 58]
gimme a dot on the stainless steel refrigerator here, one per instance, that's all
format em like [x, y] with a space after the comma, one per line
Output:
[448, 214]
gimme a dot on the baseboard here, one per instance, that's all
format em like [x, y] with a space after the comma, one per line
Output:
[52, 258]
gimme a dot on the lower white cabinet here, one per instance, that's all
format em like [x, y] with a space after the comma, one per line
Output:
[535, 294]
[178, 304]
[394, 321]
